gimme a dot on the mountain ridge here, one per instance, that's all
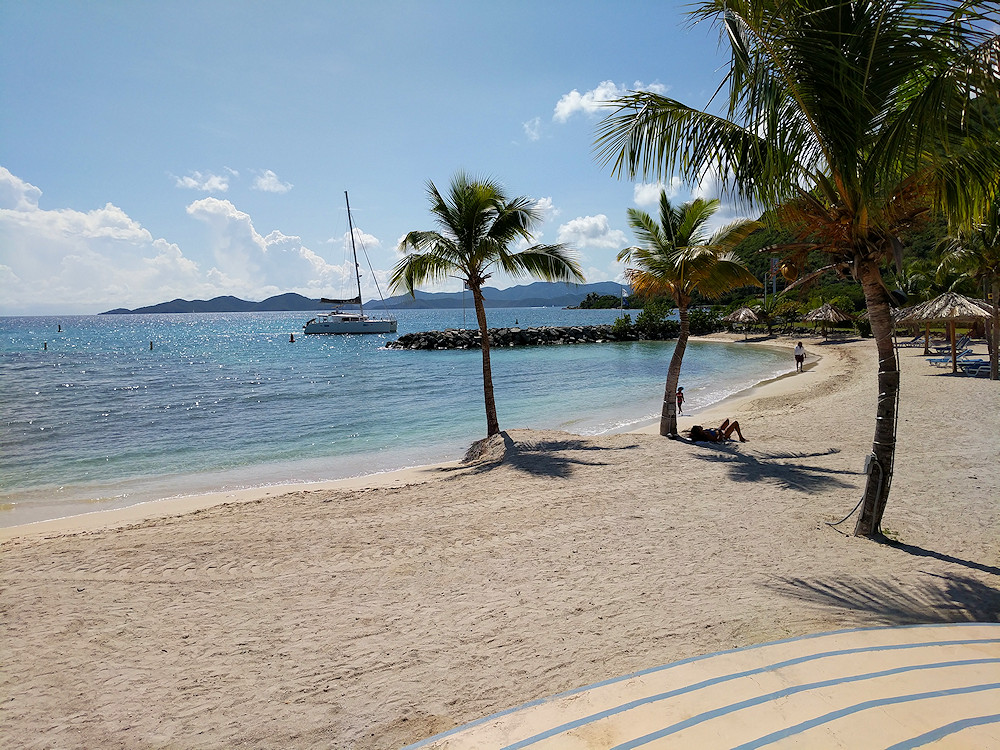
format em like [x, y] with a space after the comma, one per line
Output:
[536, 294]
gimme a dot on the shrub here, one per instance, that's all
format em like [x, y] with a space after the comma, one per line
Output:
[652, 321]
[703, 322]
[623, 326]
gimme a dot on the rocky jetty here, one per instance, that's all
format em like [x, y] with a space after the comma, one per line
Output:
[455, 338]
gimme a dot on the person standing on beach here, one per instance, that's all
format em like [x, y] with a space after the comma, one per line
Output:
[680, 400]
[800, 356]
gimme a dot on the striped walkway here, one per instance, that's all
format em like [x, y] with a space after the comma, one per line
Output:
[905, 687]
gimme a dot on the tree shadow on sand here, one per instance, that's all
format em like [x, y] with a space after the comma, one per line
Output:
[788, 470]
[912, 549]
[940, 598]
[544, 457]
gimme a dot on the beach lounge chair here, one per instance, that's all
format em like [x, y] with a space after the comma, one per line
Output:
[975, 367]
[946, 348]
[944, 361]
[914, 342]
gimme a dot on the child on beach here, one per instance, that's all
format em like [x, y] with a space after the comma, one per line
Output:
[712, 435]
[680, 399]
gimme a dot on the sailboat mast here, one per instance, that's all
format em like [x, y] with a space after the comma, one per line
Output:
[354, 250]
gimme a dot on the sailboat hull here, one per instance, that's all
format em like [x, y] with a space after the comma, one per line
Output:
[335, 323]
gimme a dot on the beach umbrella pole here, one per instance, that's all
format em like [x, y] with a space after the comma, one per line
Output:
[954, 353]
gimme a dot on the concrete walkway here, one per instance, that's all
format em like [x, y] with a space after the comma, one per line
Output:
[902, 687]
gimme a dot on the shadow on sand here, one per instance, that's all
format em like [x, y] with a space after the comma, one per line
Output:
[937, 599]
[538, 457]
[912, 549]
[788, 470]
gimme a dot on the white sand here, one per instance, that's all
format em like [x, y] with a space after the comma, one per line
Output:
[372, 618]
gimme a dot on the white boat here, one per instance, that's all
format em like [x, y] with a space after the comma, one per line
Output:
[340, 321]
[349, 322]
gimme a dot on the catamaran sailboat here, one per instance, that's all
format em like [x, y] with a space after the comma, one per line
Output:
[340, 321]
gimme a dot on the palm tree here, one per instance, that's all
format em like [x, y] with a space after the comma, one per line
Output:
[976, 252]
[847, 121]
[677, 257]
[768, 308]
[477, 225]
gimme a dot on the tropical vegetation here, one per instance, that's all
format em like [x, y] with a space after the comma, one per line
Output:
[975, 251]
[595, 301]
[848, 122]
[677, 256]
[477, 225]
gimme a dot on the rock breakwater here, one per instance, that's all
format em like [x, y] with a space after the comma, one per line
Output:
[457, 338]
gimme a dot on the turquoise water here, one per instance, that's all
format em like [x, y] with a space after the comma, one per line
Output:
[94, 419]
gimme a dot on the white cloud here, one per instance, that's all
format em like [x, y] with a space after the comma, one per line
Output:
[16, 194]
[614, 271]
[74, 261]
[90, 260]
[591, 102]
[255, 266]
[592, 233]
[205, 182]
[268, 182]
[533, 128]
[547, 207]
[648, 193]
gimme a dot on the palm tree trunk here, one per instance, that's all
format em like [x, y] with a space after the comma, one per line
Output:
[995, 329]
[668, 417]
[884, 445]
[492, 425]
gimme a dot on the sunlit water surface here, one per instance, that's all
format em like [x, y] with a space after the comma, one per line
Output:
[94, 419]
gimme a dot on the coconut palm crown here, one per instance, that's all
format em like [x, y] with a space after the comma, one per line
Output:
[846, 121]
[677, 256]
[477, 224]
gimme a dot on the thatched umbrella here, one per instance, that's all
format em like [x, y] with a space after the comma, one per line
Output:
[950, 308]
[743, 316]
[826, 313]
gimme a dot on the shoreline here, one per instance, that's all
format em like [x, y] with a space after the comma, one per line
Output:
[379, 617]
[171, 507]
[726, 407]
[180, 505]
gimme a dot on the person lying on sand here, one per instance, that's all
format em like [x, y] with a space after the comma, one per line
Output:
[712, 435]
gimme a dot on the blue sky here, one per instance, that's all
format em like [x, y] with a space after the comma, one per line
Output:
[191, 149]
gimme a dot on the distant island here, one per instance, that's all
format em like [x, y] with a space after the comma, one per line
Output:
[537, 294]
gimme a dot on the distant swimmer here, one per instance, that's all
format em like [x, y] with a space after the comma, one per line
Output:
[291, 338]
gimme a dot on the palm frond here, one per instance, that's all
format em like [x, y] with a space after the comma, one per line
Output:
[652, 136]
[477, 225]
[420, 268]
[546, 262]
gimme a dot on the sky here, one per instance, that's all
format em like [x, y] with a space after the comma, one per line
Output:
[150, 151]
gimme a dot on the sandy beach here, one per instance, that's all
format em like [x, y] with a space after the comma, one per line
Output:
[348, 616]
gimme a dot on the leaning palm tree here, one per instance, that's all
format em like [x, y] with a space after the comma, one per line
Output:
[847, 120]
[477, 224]
[975, 250]
[678, 257]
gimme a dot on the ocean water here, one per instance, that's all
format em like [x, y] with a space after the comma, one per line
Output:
[93, 418]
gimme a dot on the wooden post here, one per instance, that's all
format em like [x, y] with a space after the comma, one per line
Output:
[954, 354]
